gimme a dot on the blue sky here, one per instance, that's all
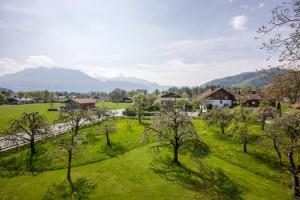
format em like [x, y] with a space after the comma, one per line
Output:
[171, 42]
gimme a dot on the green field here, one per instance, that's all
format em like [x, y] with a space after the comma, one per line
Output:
[9, 112]
[132, 170]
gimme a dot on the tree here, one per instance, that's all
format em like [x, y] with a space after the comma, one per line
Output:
[117, 95]
[240, 126]
[2, 97]
[73, 121]
[264, 112]
[220, 116]
[139, 104]
[285, 29]
[174, 128]
[106, 127]
[285, 134]
[31, 126]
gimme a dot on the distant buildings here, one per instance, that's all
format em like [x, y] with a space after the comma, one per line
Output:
[22, 100]
[169, 97]
[85, 104]
[100, 99]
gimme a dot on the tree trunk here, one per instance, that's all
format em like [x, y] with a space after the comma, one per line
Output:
[108, 140]
[263, 124]
[277, 151]
[32, 147]
[69, 168]
[295, 185]
[176, 147]
[222, 129]
[245, 147]
[139, 116]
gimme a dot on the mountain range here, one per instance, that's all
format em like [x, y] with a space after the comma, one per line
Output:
[61, 79]
[256, 79]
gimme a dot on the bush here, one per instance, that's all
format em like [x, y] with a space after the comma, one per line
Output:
[129, 112]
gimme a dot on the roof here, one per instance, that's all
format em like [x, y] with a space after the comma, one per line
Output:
[211, 91]
[20, 99]
[296, 105]
[170, 95]
[247, 95]
[84, 101]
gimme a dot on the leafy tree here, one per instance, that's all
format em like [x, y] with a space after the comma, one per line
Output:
[139, 104]
[2, 97]
[106, 127]
[31, 125]
[285, 134]
[117, 95]
[222, 117]
[265, 112]
[73, 121]
[174, 128]
[240, 126]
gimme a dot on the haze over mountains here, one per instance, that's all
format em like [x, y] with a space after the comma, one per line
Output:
[61, 79]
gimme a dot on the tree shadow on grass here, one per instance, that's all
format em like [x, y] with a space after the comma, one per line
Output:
[82, 189]
[205, 179]
[270, 161]
[22, 163]
[114, 150]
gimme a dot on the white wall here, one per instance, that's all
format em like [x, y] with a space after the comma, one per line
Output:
[217, 104]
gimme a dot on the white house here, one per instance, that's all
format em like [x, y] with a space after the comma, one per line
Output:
[216, 98]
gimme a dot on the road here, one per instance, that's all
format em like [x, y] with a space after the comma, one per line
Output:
[7, 143]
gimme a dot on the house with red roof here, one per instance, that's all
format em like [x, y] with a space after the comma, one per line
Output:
[251, 99]
[85, 104]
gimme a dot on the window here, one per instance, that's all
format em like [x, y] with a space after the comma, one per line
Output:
[253, 102]
[221, 101]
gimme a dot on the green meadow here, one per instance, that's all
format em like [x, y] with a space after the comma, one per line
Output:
[9, 112]
[134, 170]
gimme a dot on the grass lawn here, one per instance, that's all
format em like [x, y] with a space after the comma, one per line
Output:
[9, 112]
[132, 170]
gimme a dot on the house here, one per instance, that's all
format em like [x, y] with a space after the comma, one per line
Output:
[23, 100]
[60, 99]
[252, 99]
[215, 98]
[100, 99]
[169, 97]
[85, 104]
[126, 100]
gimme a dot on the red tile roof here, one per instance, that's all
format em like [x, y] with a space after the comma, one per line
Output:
[84, 101]
[209, 92]
[247, 95]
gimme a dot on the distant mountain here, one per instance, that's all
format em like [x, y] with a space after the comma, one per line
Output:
[61, 79]
[5, 90]
[254, 79]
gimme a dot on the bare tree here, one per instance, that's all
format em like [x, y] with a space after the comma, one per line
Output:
[73, 121]
[174, 128]
[285, 134]
[285, 27]
[222, 117]
[28, 128]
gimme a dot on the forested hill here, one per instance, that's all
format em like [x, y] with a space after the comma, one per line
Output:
[254, 79]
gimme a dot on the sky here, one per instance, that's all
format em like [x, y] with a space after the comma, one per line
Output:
[170, 42]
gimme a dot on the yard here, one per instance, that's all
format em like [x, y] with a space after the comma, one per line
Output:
[129, 170]
[9, 112]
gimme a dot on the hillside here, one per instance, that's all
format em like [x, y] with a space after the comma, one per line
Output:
[254, 79]
[61, 79]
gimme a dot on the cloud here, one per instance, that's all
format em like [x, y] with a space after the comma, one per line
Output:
[261, 5]
[39, 61]
[8, 66]
[239, 22]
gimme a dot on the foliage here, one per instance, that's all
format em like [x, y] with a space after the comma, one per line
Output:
[220, 116]
[31, 125]
[285, 134]
[173, 128]
[139, 104]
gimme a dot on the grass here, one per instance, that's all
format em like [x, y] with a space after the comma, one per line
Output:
[132, 170]
[9, 112]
